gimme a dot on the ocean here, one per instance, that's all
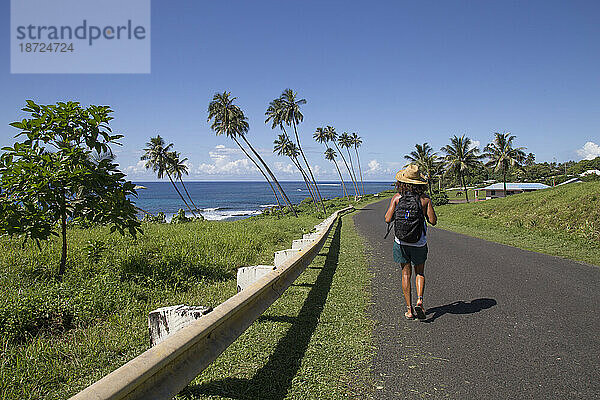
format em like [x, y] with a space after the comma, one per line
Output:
[233, 200]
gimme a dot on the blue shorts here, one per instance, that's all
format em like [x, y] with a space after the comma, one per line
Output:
[410, 254]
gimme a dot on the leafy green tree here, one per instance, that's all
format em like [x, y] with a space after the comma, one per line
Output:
[323, 135]
[461, 157]
[292, 116]
[426, 159]
[50, 179]
[502, 155]
[156, 155]
[345, 141]
[229, 119]
[357, 142]
[330, 155]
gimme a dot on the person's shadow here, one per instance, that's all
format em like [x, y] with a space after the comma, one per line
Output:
[460, 307]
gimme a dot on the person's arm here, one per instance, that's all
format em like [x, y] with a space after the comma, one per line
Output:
[389, 214]
[429, 211]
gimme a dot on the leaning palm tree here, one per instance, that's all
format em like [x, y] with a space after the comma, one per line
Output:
[332, 136]
[178, 168]
[274, 114]
[461, 157]
[330, 155]
[426, 159]
[156, 155]
[345, 141]
[229, 119]
[283, 146]
[322, 136]
[502, 155]
[292, 116]
[357, 142]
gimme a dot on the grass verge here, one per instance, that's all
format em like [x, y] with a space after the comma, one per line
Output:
[313, 343]
[562, 221]
[58, 337]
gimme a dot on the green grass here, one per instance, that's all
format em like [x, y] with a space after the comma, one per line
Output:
[57, 338]
[562, 221]
[313, 342]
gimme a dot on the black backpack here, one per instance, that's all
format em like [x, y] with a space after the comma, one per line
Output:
[408, 218]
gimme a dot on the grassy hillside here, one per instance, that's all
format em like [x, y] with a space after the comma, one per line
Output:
[58, 337]
[562, 221]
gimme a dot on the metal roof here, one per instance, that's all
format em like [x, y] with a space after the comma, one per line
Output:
[516, 186]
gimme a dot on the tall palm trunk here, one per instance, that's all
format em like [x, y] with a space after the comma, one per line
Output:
[311, 191]
[462, 178]
[504, 180]
[353, 175]
[309, 170]
[344, 190]
[180, 195]
[263, 174]
[188, 195]
[342, 179]
[306, 181]
[286, 199]
[347, 167]
[360, 171]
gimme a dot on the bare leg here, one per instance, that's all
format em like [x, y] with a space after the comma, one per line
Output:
[406, 275]
[420, 281]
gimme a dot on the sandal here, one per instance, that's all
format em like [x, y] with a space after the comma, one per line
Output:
[409, 314]
[419, 309]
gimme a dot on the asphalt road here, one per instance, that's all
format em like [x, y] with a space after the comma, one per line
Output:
[502, 323]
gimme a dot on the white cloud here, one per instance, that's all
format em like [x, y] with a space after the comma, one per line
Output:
[223, 164]
[138, 171]
[374, 166]
[285, 168]
[589, 151]
[382, 170]
[475, 143]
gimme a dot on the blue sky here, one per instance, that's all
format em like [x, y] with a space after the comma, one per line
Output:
[395, 72]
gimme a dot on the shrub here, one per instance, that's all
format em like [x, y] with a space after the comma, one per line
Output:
[159, 218]
[439, 199]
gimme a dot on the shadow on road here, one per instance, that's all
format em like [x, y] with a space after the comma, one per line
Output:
[460, 307]
[274, 379]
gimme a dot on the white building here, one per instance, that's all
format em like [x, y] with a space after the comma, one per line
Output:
[497, 189]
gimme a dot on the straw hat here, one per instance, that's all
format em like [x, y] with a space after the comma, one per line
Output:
[411, 174]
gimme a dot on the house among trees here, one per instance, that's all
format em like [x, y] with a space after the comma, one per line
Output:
[497, 189]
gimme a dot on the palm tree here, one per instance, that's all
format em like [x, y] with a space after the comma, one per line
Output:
[292, 116]
[345, 141]
[283, 146]
[178, 169]
[460, 157]
[357, 142]
[530, 160]
[330, 155]
[274, 114]
[157, 158]
[230, 120]
[322, 136]
[503, 155]
[333, 137]
[426, 159]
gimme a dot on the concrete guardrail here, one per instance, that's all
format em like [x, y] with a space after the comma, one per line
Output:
[167, 368]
